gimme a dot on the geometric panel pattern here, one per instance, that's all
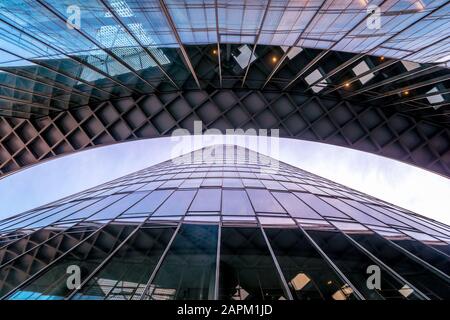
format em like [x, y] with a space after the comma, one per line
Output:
[24, 142]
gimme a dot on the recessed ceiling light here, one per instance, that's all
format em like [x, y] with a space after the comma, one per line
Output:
[435, 98]
[361, 68]
[410, 65]
[313, 77]
[245, 56]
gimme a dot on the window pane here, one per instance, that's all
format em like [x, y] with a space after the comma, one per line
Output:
[177, 204]
[294, 206]
[189, 269]
[191, 183]
[321, 207]
[118, 207]
[273, 185]
[170, 184]
[424, 252]
[19, 270]
[212, 182]
[247, 270]
[127, 273]
[352, 212]
[55, 215]
[52, 285]
[354, 263]
[207, 200]
[252, 183]
[99, 205]
[235, 202]
[425, 280]
[263, 201]
[232, 183]
[374, 213]
[308, 275]
[151, 202]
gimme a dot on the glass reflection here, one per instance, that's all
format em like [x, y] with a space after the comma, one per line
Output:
[426, 253]
[16, 268]
[128, 271]
[353, 263]
[309, 276]
[426, 281]
[189, 268]
[247, 270]
[52, 285]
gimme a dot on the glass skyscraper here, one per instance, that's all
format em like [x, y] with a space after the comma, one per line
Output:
[225, 223]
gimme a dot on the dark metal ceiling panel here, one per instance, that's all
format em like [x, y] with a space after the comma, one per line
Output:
[383, 132]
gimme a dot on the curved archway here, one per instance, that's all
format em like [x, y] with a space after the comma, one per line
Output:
[380, 131]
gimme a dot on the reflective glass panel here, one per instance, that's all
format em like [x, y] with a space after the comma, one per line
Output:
[207, 200]
[426, 253]
[188, 270]
[263, 201]
[36, 257]
[177, 204]
[52, 284]
[247, 270]
[128, 271]
[425, 280]
[235, 202]
[354, 263]
[308, 275]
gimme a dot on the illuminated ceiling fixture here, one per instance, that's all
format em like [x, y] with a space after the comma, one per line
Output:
[214, 52]
[419, 5]
[313, 77]
[363, 2]
[347, 85]
[361, 68]
[435, 98]
[300, 281]
[274, 59]
[243, 58]
[406, 92]
[342, 293]
[405, 291]
[114, 36]
[410, 65]
[382, 58]
[292, 51]
[121, 8]
[240, 294]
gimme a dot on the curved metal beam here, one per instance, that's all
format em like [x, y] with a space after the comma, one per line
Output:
[380, 131]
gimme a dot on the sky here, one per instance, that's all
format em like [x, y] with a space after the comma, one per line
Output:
[404, 185]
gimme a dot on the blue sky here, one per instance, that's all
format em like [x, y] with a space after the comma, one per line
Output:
[393, 181]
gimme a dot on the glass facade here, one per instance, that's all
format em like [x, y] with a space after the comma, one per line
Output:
[59, 54]
[240, 226]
